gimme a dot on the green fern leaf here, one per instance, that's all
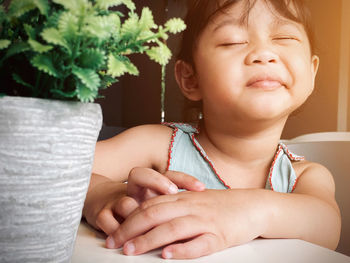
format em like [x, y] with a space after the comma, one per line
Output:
[4, 43]
[130, 28]
[129, 4]
[105, 4]
[16, 48]
[19, 7]
[88, 77]
[30, 31]
[38, 47]
[84, 93]
[68, 24]
[20, 81]
[92, 58]
[131, 68]
[44, 63]
[146, 20]
[43, 6]
[147, 35]
[106, 80]
[162, 33]
[64, 94]
[116, 66]
[102, 26]
[175, 25]
[160, 54]
[74, 6]
[53, 36]
[52, 20]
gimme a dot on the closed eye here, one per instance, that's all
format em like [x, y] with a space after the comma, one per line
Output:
[233, 44]
[286, 38]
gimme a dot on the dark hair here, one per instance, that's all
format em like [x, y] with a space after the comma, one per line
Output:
[199, 14]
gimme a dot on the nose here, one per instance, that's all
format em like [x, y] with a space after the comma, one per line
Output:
[261, 55]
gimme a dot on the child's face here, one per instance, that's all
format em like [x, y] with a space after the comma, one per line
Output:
[261, 69]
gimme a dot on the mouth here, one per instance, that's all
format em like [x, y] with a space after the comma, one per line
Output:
[265, 83]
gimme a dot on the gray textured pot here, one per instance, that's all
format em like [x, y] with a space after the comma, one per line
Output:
[46, 155]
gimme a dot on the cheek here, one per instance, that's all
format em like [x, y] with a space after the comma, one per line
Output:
[208, 72]
[301, 72]
[213, 69]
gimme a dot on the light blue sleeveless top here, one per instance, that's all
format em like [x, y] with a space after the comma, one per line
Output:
[186, 155]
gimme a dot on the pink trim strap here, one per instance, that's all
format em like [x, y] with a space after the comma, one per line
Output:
[171, 146]
[208, 161]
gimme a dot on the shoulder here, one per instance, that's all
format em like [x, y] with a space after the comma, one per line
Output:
[140, 146]
[142, 139]
[305, 167]
[147, 131]
[143, 134]
[315, 179]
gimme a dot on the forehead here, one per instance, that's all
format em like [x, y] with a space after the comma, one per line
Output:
[238, 11]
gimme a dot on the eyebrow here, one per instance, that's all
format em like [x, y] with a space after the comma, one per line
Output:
[284, 22]
[229, 21]
[278, 22]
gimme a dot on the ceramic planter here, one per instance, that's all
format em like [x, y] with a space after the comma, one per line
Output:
[46, 155]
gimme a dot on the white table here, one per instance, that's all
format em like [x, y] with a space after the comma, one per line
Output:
[90, 247]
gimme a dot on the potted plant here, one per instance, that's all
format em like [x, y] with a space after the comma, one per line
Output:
[55, 57]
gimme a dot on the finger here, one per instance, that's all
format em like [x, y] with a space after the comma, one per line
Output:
[149, 178]
[154, 201]
[106, 221]
[143, 221]
[125, 206]
[148, 194]
[185, 181]
[169, 232]
[202, 245]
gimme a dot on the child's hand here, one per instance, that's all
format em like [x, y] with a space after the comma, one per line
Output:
[209, 221]
[145, 183]
[107, 205]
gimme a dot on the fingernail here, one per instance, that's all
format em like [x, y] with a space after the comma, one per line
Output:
[168, 254]
[110, 242]
[172, 189]
[129, 248]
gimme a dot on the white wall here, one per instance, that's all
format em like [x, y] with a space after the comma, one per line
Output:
[344, 67]
[324, 111]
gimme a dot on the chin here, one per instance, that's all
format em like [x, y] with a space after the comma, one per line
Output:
[269, 113]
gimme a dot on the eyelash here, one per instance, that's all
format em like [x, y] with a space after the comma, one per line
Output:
[286, 38]
[243, 43]
[233, 44]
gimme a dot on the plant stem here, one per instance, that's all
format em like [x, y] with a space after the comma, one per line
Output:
[162, 95]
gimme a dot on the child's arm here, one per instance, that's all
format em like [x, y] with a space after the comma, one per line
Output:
[317, 220]
[217, 219]
[106, 204]
[145, 146]
[145, 183]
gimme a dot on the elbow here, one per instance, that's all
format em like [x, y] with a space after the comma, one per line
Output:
[333, 244]
[328, 235]
[334, 238]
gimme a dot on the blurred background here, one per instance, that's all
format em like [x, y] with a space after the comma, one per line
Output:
[136, 100]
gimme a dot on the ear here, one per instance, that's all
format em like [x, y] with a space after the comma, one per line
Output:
[187, 81]
[315, 61]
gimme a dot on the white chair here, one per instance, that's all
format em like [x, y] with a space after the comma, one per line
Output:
[321, 136]
[335, 155]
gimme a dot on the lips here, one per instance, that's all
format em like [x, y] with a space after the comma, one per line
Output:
[265, 83]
